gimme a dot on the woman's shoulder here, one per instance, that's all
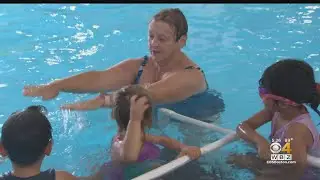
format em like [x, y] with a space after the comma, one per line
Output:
[188, 62]
[135, 60]
[129, 63]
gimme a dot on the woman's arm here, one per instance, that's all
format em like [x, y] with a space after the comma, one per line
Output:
[113, 78]
[177, 86]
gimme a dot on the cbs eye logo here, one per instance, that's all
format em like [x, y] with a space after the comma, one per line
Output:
[276, 147]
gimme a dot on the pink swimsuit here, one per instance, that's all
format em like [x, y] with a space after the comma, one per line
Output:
[148, 150]
[115, 171]
[314, 150]
[305, 119]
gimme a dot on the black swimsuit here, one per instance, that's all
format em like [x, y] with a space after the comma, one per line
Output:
[199, 106]
[49, 174]
[145, 61]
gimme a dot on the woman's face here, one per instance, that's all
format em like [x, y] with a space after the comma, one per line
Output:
[162, 40]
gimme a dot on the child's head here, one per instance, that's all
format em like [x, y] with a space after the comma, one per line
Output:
[26, 136]
[290, 82]
[121, 111]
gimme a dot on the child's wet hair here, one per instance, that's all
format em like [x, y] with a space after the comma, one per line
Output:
[121, 111]
[26, 134]
[292, 79]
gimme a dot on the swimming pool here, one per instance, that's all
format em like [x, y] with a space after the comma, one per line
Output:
[232, 43]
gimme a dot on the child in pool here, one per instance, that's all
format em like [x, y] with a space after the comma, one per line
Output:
[26, 139]
[133, 113]
[285, 88]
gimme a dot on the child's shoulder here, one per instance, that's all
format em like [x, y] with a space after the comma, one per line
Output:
[64, 175]
[49, 174]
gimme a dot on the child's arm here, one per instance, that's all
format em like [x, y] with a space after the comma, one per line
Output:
[91, 104]
[192, 151]
[246, 131]
[133, 139]
[298, 146]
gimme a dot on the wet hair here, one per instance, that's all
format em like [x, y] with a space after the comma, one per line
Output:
[121, 111]
[174, 18]
[292, 79]
[26, 134]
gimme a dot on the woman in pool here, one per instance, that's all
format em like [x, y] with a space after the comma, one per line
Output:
[172, 79]
[168, 74]
[133, 113]
[284, 88]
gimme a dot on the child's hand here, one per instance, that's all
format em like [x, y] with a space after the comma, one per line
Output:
[85, 105]
[264, 151]
[192, 151]
[246, 161]
[138, 107]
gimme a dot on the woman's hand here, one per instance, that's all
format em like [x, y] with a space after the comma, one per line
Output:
[47, 92]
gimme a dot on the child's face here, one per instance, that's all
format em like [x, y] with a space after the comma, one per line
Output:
[3, 152]
[269, 103]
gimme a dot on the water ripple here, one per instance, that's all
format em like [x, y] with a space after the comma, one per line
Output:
[82, 36]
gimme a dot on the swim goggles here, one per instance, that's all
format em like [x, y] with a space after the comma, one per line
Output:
[264, 94]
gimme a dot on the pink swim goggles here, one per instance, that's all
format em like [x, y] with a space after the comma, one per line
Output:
[264, 94]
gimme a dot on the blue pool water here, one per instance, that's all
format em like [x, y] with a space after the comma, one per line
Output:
[233, 44]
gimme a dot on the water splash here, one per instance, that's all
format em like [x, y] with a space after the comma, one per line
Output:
[72, 8]
[53, 61]
[65, 120]
[72, 122]
[95, 26]
[87, 52]
[82, 36]
[116, 32]
[2, 86]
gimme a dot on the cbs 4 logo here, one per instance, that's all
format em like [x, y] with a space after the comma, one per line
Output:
[276, 147]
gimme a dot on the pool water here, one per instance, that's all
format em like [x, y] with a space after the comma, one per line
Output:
[233, 43]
